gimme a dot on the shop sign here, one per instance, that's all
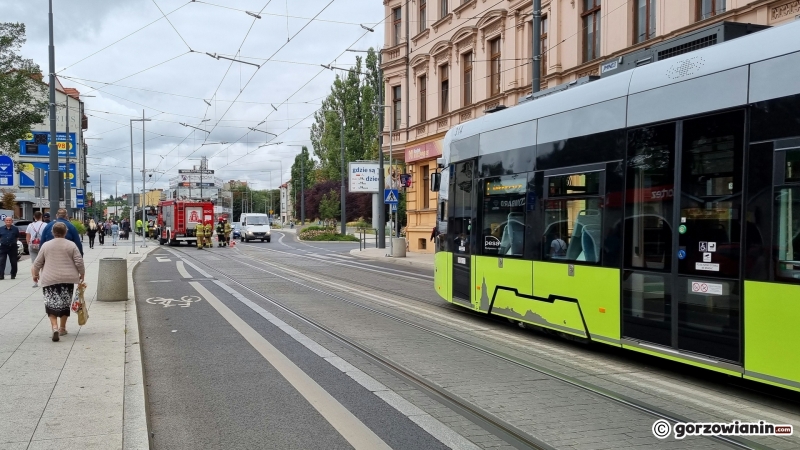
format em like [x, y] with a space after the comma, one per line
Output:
[427, 150]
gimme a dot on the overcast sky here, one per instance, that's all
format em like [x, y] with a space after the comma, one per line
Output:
[152, 69]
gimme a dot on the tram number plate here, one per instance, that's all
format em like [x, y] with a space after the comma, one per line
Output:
[462, 260]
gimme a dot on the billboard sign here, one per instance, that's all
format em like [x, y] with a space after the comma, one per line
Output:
[427, 150]
[206, 172]
[26, 174]
[364, 177]
[37, 144]
[6, 171]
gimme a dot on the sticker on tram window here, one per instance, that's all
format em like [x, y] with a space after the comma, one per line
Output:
[707, 266]
[462, 260]
[462, 249]
[701, 287]
[707, 257]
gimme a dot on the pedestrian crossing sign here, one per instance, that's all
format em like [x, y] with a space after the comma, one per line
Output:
[390, 196]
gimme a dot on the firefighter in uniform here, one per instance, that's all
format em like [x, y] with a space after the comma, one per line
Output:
[200, 233]
[220, 234]
[209, 233]
[227, 228]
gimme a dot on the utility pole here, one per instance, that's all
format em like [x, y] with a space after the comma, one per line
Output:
[302, 191]
[133, 189]
[536, 78]
[381, 175]
[144, 219]
[344, 193]
[67, 180]
[53, 172]
[100, 216]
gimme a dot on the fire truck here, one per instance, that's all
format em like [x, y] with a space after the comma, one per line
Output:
[177, 220]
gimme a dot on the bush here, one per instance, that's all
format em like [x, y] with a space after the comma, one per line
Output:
[315, 233]
[78, 226]
[359, 224]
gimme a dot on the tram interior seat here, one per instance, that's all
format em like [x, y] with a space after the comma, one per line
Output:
[575, 250]
[591, 236]
[511, 243]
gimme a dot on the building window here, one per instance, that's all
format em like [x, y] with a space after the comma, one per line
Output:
[709, 8]
[443, 8]
[397, 13]
[398, 106]
[545, 28]
[426, 188]
[591, 29]
[468, 79]
[645, 16]
[445, 88]
[423, 7]
[423, 98]
[494, 66]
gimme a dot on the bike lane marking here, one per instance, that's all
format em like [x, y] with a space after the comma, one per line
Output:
[348, 425]
[182, 269]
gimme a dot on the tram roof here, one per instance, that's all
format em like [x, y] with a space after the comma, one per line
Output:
[759, 46]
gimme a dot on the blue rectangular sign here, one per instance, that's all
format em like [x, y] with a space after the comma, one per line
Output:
[6, 171]
[38, 143]
[26, 177]
[79, 198]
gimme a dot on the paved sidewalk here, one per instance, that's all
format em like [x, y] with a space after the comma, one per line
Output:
[85, 391]
[422, 260]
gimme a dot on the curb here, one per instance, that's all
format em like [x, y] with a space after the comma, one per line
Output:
[135, 426]
[399, 261]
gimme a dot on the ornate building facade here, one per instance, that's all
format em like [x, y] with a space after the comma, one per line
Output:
[449, 61]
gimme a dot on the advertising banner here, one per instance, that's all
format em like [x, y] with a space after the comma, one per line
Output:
[424, 151]
[364, 177]
[26, 175]
[37, 144]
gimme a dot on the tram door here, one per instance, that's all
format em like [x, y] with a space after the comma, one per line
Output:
[462, 199]
[682, 282]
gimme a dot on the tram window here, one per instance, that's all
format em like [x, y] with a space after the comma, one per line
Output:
[793, 166]
[503, 231]
[573, 230]
[462, 196]
[787, 218]
[649, 197]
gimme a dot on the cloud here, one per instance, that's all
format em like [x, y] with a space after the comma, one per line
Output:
[155, 72]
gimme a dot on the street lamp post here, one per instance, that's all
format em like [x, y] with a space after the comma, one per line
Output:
[53, 172]
[132, 203]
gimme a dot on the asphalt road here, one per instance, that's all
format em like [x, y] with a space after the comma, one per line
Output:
[210, 386]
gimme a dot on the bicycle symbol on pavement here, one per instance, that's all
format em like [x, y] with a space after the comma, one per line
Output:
[184, 302]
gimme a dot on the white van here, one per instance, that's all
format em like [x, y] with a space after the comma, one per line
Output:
[255, 226]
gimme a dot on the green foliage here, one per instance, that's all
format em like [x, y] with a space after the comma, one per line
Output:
[315, 233]
[78, 226]
[23, 100]
[356, 97]
[259, 200]
[308, 168]
[329, 206]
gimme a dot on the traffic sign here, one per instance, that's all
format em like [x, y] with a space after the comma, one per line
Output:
[390, 196]
[6, 171]
[393, 207]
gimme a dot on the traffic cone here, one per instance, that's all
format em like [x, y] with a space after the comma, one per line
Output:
[233, 243]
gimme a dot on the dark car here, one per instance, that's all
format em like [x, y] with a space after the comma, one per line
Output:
[237, 230]
[22, 226]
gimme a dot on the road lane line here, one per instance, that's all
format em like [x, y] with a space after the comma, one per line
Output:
[182, 269]
[348, 425]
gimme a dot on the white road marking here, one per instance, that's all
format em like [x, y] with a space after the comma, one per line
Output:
[348, 425]
[431, 425]
[182, 269]
[163, 259]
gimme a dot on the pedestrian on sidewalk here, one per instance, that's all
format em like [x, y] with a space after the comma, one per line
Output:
[9, 235]
[101, 233]
[92, 232]
[59, 268]
[107, 227]
[34, 237]
[72, 232]
[114, 233]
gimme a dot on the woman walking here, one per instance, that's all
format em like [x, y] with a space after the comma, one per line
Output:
[58, 269]
[114, 233]
[92, 232]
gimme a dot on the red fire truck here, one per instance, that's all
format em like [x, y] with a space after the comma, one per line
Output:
[177, 220]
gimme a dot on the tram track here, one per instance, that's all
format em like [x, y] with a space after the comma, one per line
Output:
[480, 417]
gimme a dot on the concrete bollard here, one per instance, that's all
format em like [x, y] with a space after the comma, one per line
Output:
[112, 280]
[398, 247]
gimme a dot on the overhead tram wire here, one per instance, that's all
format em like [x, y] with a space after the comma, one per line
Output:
[143, 70]
[122, 39]
[173, 26]
[279, 15]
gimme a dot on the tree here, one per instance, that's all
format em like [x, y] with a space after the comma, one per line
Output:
[356, 98]
[9, 200]
[308, 166]
[23, 98]
[329, 206]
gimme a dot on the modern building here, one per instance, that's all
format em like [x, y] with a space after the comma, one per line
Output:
[34, 153]
[151, 198]
[449, 61]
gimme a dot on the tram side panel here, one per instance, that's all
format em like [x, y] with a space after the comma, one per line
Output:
[442, 277]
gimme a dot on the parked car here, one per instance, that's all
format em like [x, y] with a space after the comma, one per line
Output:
[237, 229]
[22, 226]
[20, 249]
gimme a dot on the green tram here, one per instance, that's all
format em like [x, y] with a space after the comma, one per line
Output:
[657, 210]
